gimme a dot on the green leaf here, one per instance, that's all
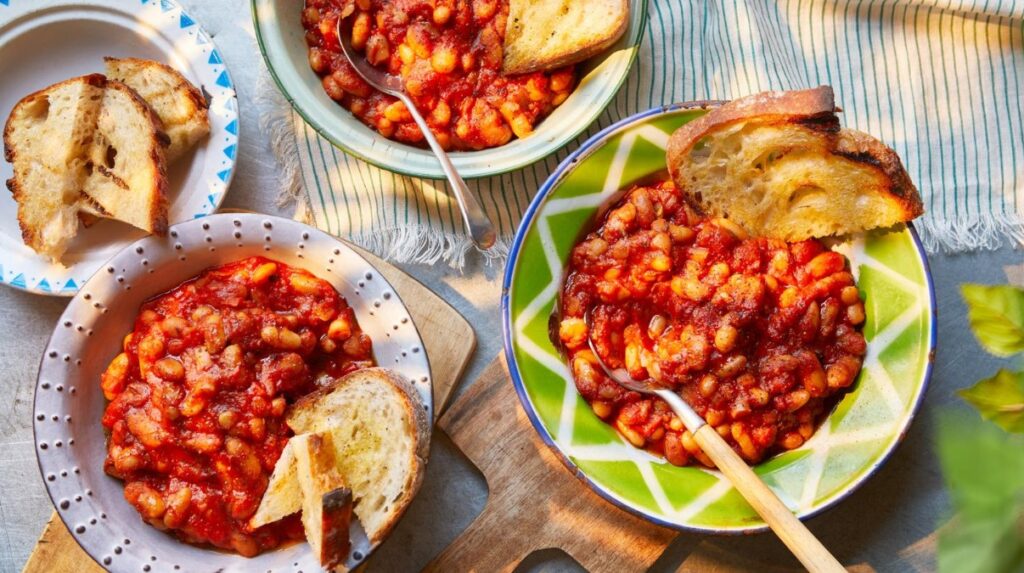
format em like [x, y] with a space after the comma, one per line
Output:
[1000, 399]
[984, 471]
[986, 545]
[997, 317]
[983, 466]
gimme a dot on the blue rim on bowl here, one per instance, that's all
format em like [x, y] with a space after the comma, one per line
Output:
[157, 29]
[281, 39]
[534, 369]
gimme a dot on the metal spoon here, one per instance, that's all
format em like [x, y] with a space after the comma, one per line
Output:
[479, 225]
[793, 533]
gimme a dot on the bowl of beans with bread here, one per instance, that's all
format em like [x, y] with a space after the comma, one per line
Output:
[800, 329]
[491, 114]
[190, 378]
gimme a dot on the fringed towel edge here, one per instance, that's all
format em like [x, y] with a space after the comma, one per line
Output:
[278, 123]
[971, 232]
[423, 245]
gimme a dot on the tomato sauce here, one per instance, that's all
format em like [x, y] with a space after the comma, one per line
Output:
[449, 55]
[757, 335]
[199, 393]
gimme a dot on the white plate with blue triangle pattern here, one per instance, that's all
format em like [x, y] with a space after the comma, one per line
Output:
[43, 42]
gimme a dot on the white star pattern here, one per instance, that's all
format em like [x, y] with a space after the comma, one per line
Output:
[798, 484]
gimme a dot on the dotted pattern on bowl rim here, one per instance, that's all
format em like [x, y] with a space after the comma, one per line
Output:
[60, 456]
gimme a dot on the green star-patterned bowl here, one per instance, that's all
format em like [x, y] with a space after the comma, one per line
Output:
[858, 436]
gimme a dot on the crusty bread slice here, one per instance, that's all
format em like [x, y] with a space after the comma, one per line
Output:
[284, 495]
[127, 172]
[779, 165]
[548, 34]
[45, 139]
[326, 501]
[382, 438]
[180, 106]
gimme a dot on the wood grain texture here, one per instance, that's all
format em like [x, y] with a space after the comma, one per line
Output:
[448, 339]
[534, 503]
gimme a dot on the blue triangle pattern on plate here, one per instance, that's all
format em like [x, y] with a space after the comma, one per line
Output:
[70, 285]
[4, 2]
[230, 150]
[184, 21]
[232, 127]
[199, 215]
[213, 199]
[166, 5]
[223, 175]
[19, 281]
[223, 80]
[44, 285]
[215, 58]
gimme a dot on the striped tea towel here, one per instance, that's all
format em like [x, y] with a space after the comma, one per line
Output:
[941, 81]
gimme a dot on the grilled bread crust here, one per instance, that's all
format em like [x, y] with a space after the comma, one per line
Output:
[779, 165]
[130, 186]
[48, 166]
[549, 34]
[181, 107]
[371, 390]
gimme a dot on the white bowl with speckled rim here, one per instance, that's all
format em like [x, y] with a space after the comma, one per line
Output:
[70, 441]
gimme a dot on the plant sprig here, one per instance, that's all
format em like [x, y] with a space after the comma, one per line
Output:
[983, 466]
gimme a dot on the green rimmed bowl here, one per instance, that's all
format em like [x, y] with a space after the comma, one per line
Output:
[856, 439]
[282, 40]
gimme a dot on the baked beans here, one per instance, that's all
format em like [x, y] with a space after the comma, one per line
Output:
[449, 54]
[199, 392]
[757, 335]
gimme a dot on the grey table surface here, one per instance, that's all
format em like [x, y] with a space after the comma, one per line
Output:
[888, 524]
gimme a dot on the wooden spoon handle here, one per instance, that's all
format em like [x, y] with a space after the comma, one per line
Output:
[804, 545]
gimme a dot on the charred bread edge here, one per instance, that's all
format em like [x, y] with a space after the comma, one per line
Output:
[414, 404]
[95, 80]
[814, 108]
[767, 107]
[336, 518]
[193, 92]
[158, 214]
[864, 148]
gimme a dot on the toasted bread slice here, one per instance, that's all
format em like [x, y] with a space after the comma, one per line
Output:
[548, 34]
[284, 495]
[180, 106]
[45, 139]
[326, 502]
[778, 165]
[127, 177]
[381, 436]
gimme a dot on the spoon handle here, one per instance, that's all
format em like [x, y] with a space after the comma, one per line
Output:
[480, 227]
[804, 545]
[793, 533]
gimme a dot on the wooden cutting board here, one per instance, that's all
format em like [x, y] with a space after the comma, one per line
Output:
[534, 502]
[57, 552]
